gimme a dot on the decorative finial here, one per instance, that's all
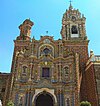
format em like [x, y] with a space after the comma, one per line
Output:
[70, 2]
[33, 37]
[70, 7]
[46, 32]
[91, 53]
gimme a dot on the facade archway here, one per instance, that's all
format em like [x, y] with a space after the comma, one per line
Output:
[44, 99]
[48, 92]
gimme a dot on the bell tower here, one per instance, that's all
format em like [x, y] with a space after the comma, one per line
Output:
[73, 25]
[74, 40]
[25, 30]
[73, 34]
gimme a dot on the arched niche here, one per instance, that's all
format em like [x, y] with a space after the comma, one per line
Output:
[46, 47]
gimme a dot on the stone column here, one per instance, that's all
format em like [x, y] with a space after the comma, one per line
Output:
[52, 72]
[77, 90]
[30, 72]
[60, 96]
[68, 31]
[27, 103]
[60, 48]
[30, 99]
[38, 73]
[84, 30]
[63, 32]
[60, 73]
[19, 68]
[80, 30]
[57, 71]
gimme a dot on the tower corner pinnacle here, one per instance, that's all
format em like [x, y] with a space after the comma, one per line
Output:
[25, 30]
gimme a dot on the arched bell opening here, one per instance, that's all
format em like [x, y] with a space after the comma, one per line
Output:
[74, 29]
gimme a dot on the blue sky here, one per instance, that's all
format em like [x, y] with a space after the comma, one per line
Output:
[47, 16]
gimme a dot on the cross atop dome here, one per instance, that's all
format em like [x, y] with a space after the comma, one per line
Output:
[70, 7]
[70, 1]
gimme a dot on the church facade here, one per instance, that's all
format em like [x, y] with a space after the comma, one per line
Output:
[50, 72]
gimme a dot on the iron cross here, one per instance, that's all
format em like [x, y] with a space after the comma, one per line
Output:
[46, 32]
[70, 1]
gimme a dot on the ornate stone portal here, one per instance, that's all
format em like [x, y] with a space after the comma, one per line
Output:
[45, 91]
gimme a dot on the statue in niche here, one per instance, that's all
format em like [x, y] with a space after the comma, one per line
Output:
[66, 72]
[24, 69]
[23, 75]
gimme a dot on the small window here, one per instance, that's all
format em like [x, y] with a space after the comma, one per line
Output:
[24, 70]
[46, 72]
[66, 71]
[46, 51]
[74, 30]
[3, 90]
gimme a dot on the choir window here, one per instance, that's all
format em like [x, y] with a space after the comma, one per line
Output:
[46, 72]
[46, 51]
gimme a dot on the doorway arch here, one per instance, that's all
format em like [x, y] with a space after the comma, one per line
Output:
[44, 99]
[47, 91]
